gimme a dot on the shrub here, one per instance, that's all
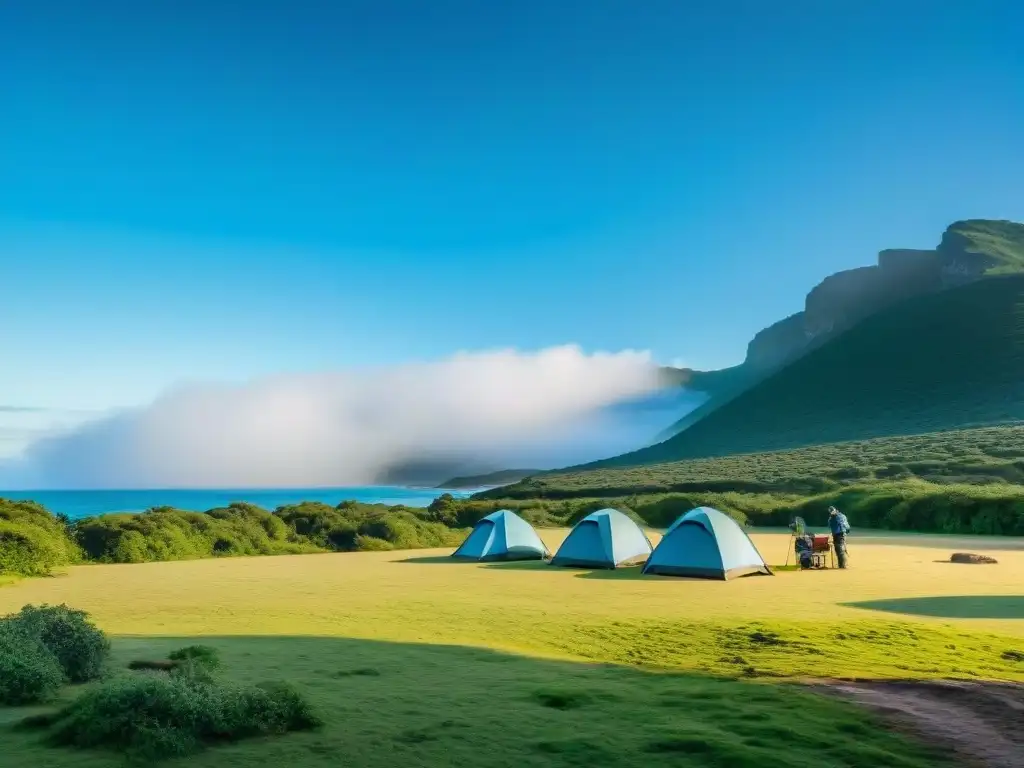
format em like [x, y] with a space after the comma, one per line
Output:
[372, 544]
[203, 655]
[27, 550]
[32, 541]
[29, 672]
[80, 648]
[151, 717]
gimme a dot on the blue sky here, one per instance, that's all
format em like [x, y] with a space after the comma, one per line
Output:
[195, 191]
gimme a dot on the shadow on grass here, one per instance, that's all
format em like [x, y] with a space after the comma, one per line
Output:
[404, 704]
[629, 573]
[632, 573]
[525, 565]
[518, 565]
[950, 607]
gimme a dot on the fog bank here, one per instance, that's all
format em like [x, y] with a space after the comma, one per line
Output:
[473, 410]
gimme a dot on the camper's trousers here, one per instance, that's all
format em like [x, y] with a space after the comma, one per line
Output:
[839, 542]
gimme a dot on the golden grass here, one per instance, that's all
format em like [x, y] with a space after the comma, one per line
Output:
[419, 596]
[423, 698]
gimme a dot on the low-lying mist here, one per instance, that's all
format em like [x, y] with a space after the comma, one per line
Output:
[470, 412]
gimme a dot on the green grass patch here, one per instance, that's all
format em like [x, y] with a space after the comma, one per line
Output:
[449, 705]
[800, 650]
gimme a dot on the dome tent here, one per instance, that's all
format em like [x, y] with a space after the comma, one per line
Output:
[603, 539]
[502, 535]
[706, 544]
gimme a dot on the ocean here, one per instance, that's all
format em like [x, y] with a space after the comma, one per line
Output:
[79, 504]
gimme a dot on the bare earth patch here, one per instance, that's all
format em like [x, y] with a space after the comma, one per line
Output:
[980, 722]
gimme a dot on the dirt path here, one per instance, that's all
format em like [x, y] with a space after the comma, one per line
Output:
[983, 723]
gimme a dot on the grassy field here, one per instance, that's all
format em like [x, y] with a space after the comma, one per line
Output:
[917, 367]
[416, 660]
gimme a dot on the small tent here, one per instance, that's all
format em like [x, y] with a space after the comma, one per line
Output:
[706, 544]
[502, 535]
[603, 539]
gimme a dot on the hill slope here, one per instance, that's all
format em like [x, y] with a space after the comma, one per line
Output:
[940, 361]
[501, 477]
[984, 456]
[969, 250]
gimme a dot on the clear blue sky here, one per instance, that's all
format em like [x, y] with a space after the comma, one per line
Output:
[222, 189]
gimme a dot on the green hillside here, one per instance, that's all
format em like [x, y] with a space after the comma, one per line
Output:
[982, 456]
[941, 361]
[501, 477]
[969, 250]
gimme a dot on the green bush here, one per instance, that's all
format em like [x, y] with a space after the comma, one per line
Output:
[372, 544]
[81, 649]
[149, 717]
[29, 672]
[32, 541]
[164, 533]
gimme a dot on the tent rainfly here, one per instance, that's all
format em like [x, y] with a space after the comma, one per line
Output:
[603, 539]
[502, 535]
[706, 544]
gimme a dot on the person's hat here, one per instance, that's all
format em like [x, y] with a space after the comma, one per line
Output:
[833, 511]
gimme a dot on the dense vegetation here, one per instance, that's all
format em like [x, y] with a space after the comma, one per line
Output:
[947, 360]
[142, 716]
[42, 648]
[966, 481]
[908, 505]
[33, 542]
[969, 456]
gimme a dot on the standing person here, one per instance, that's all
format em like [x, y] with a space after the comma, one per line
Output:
[840, 526]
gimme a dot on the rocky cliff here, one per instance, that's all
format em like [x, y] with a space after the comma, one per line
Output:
[969, 250]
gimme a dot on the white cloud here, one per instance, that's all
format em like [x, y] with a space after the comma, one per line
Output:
[488, 408]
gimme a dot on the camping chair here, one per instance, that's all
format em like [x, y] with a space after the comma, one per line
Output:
[821, 545]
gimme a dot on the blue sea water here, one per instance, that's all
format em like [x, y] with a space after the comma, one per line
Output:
[79, 504]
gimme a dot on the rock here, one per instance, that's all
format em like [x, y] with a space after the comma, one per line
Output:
[969, 557]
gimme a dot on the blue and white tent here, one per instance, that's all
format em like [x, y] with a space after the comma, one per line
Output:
[706, 544]
[502, 535]
[603, 539]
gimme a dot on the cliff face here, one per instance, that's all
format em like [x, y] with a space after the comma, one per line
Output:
[969, 251]
[777, 344]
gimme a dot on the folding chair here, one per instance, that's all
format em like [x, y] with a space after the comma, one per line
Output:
[821, 545]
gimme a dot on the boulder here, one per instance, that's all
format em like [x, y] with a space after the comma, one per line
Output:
[969, 557]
